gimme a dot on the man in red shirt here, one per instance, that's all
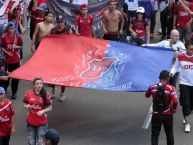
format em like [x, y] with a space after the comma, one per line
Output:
[11, 45]
[84, 23]
[37, 16]
[7, 118]
[165, 116]
[183, 20]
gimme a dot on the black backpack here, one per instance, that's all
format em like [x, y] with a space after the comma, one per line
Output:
[160, 101]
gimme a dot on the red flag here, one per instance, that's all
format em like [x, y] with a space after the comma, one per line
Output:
[61, 59]
[9, 7]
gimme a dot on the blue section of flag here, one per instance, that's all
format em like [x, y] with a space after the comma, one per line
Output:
[131, 68]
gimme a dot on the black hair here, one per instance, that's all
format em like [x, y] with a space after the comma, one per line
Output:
[46, 13]
[125, 8]
[188, 43]
[54, 142]
[164, 75]
[43, 92]
[143, 16]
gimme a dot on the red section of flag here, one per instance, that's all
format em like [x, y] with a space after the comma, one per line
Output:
[9, 7]
[62, 59]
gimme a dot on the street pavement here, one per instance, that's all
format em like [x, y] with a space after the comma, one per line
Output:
[93, 117]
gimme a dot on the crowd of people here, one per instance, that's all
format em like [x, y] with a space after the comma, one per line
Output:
[129, 25]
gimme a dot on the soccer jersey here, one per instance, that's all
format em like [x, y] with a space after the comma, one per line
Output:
[170, 95]
[184, 65]
[6, 114]
[139, 27]
[183, 17]
[84, 25]
[7, 42]
[37, 103]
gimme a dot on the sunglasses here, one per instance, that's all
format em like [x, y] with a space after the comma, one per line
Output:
[1, 93]
[60, 21]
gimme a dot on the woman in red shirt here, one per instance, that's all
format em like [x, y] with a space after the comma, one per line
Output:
[139, 28]
[7, 118]
[38, 102]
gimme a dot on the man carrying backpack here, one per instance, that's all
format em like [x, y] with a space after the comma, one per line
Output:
[164, 105]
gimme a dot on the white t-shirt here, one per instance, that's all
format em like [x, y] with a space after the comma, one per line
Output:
[132, 4]
[184, 65]
[178, 46]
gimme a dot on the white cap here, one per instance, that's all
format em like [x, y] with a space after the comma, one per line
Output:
[140, 10]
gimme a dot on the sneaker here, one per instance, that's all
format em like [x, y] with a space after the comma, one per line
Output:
[13, 96]
[62, 97]
[184, 121]
[187, 128]
[159, 31]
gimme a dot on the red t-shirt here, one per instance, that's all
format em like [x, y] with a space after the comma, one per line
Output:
[139, 27]
[6, 114]
[7, 42]
[170, 94]
[84, 25]
[183, 17]
[37, 17]
[38, 104]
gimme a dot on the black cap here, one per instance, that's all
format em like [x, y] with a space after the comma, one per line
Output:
[52, 135]
[59, 18]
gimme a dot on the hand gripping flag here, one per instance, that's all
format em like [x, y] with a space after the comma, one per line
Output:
[70, 60]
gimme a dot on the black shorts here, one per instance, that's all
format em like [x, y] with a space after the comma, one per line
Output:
[186, 99]
[113, 37]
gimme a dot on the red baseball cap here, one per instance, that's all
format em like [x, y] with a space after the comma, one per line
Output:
[83, 6]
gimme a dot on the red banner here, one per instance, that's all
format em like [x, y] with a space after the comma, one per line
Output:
[61, 59]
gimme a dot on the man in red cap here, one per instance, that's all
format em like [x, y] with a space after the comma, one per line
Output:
[84, 23]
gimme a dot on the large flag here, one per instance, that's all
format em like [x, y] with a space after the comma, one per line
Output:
[3, 6]
[70, 11]
[76, 61]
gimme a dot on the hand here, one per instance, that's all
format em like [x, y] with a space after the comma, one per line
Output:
[170, 75]
[121, 32]
[134, 34]
[14, 46]
[10, 53]
[179, 2]
[40, 113]
[12, 130]
[105, 31]
[77, 33]
[33, 48]
[29, 107]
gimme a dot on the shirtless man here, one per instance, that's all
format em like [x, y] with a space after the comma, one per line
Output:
[42, 30]
[113, 22]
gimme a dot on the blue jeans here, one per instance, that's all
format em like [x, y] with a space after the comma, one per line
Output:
[36, 134]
